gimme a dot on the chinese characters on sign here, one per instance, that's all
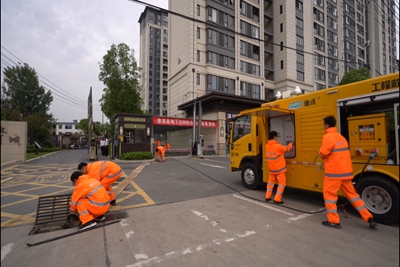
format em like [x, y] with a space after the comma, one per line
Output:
[385, 85]
[183, 122]
[12, 139]
[310, 102]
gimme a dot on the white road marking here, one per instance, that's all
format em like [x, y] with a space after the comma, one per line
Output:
[5, 250]
[141, 256]
[123, 222]
[178, 253]
[302, 216]
[264, 205]
[201, 215]
[128, 235]
[214, 166]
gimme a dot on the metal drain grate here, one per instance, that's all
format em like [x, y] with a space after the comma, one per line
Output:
[52, 213]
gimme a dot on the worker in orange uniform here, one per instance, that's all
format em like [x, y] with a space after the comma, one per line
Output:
[160, 151]
[277, 166]
[167, 146]
[107, 172]
[338, 175]
[89, 199]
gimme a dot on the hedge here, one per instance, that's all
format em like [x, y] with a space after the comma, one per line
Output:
[137, 156]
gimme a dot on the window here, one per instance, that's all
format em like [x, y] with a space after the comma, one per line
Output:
[299, 23]
[281, 27]
[222, 84]
[281, 9]
[60, 126]
[299, 40]
[250, 90]
[198, 78]
[281, 46]
[319, 60]
[198, 55]
[281, 64]
[241, 127]
[300, 76]
[319, 74]
[299, 5]
[198, 33]
[198, 10]
[68, 126]
[300, 58]
[249, 68]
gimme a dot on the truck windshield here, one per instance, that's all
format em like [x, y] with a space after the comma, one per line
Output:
[242, 126]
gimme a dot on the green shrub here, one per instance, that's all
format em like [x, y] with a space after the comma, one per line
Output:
[32, 149]
[48, 144]
[137, 156]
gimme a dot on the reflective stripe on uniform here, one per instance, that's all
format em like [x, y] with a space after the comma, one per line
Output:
[94, 190]
[354, 199]
[272, 158]
[339, 175]
[330, 201]
[277, 171]
[113, 175]
[100, 204]
[333, 211]
[340, 149]
[102, 169]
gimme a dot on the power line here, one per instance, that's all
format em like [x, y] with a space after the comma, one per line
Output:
[65, 94]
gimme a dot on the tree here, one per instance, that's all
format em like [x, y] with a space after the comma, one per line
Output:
[119, 72]
[24, 99]
[83, 125]
[355, 75]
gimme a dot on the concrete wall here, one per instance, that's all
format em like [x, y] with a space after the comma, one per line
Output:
[14, 141]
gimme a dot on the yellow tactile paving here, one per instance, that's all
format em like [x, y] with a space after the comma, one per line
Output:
[51, 176]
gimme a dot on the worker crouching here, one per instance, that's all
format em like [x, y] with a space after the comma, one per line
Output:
[90, 199]
[160, 152]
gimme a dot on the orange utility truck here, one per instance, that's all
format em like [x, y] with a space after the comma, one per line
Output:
[367, 114]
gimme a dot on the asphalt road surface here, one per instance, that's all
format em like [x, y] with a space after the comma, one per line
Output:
[185, 212]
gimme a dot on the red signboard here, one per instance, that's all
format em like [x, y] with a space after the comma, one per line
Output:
[183, 122]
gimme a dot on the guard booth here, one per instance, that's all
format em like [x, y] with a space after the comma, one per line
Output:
[132, 133]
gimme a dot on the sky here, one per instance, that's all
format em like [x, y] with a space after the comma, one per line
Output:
[64, 41]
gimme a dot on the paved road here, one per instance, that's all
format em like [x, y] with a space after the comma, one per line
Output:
[188, 212]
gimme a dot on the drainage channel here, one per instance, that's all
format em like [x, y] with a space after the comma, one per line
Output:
[52, 212]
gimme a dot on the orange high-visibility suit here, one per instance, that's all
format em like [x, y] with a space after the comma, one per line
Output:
[89, 198]
[167, 146]
[338, 175]
[161, 152]
[107, 172]
[277, 168]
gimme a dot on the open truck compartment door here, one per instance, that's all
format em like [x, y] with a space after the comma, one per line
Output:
[248, 137]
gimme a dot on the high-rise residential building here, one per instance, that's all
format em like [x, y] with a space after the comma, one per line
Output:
[154, 61]
[251, 49]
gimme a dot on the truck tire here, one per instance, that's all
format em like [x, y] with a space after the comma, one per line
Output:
[250, 177]
[381, 197]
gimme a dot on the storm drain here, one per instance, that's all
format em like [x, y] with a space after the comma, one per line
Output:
[52, 212]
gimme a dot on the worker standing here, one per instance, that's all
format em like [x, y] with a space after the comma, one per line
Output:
[160, 151]
[338, 175]
[277, 166]
[107, 172]
[89, 199]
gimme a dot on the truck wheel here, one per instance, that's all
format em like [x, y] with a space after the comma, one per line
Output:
[250, 178]
[381, 197]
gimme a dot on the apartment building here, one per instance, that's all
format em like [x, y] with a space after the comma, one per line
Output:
[154, 61]
[253, 49]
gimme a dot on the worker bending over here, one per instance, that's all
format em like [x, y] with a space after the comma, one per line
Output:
[160, 151]
[89, 199]
[107, 172]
